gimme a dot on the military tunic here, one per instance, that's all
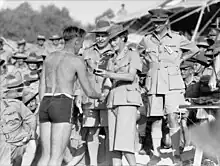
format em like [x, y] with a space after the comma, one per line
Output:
[164, 81]
[94, 113]
[17, 122]
[123, 100]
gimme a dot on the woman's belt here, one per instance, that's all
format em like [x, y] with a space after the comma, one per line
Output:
[120, 83]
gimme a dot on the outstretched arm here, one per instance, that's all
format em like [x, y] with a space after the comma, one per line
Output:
[84, 82]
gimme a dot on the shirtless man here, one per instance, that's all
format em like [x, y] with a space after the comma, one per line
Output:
[59, 74]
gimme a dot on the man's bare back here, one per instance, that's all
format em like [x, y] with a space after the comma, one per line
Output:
[62, 69]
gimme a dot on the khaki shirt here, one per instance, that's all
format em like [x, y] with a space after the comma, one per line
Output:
[163, 54]
[125, 92]
[94, 55]
[17, 121]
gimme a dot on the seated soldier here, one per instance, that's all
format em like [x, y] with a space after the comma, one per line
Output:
[18, 127]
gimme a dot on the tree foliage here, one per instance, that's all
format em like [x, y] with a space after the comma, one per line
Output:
[106, 14]
[24, 22]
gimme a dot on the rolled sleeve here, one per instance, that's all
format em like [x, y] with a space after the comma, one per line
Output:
[29, 118]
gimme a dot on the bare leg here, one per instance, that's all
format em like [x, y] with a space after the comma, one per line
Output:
[45, 135]
[116, 158]
[93, 144]
[156, 133]
[60, 135]
[130, 158]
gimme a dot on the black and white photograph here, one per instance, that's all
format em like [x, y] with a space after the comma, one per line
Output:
[109, 83]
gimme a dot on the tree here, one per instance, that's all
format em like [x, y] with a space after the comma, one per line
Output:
[24, 22]
[108, 14]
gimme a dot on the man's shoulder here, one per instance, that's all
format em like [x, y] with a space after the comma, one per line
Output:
[12, 101]
[176, 34]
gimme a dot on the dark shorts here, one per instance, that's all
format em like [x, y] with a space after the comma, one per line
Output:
[56, 109]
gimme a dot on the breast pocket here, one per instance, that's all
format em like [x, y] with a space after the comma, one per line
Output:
[175, 79]
[134, 95]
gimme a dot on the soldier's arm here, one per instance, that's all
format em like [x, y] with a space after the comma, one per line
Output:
[84, 81]
[42, 84]
[135, 66]
[28, 118]
[188, 46]
[88, 57]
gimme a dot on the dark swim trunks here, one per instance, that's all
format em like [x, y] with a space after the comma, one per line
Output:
[56, 109]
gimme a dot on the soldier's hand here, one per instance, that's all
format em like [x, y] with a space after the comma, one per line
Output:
[102, 73]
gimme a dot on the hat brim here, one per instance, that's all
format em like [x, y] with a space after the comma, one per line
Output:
[34, 61]
[203, 44]
[159, 19]
[19, 57]
[29, 98]
[100, 30]
[117, 34]
[21, 43]
[41, 39]
[57, 38]
[15, 85]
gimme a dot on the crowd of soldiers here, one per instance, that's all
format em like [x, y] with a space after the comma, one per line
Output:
[55, 103]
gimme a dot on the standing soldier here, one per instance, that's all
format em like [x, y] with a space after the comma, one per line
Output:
[163, 49]
[40, 48]
[20, 56]
[55, 39]
[94, 116]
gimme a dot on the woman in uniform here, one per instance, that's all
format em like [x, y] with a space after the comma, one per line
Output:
[124, 97]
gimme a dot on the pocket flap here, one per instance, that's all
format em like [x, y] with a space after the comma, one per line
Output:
[132, 88]
[173, 70]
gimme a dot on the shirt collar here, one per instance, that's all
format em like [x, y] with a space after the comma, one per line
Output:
[168, 33]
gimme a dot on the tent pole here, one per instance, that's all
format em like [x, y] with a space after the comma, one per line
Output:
[131, 23]
[210, 20]
[198, 22]
[145, 25]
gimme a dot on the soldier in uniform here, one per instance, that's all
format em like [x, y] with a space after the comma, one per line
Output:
[20, 56]
[40, 49]
[94, 113]
[18, 126]
[6, 74]
[124, 97]
[55, 39]
[163, 49]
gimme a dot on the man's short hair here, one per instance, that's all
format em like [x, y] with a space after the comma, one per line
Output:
[71, 32]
